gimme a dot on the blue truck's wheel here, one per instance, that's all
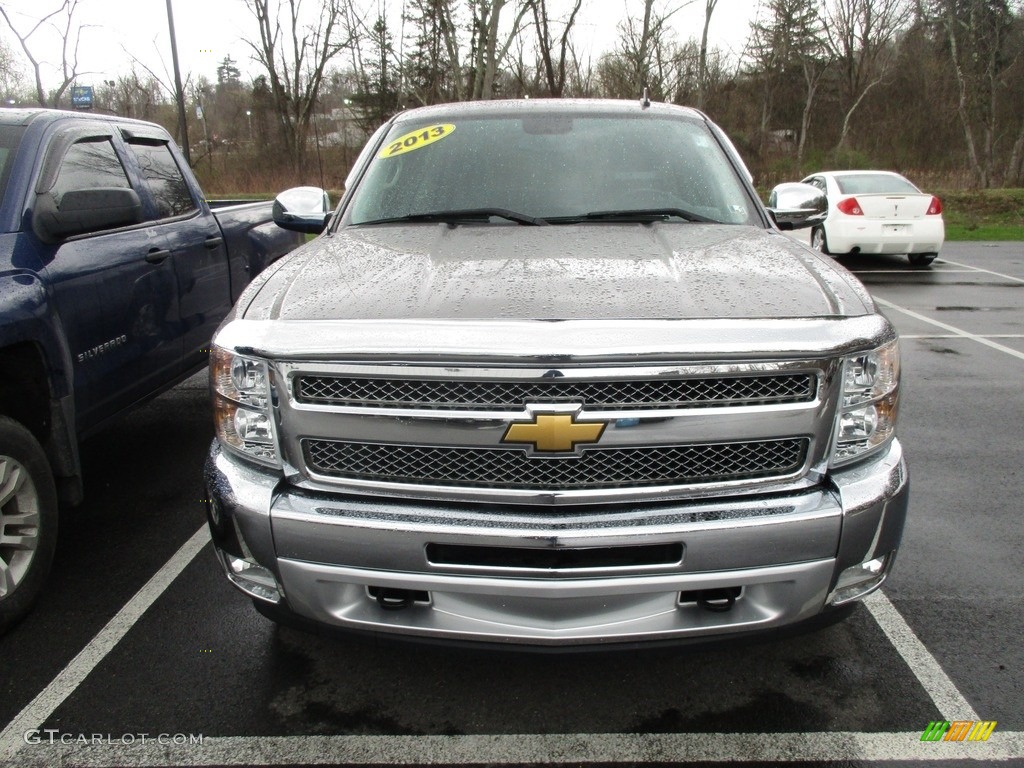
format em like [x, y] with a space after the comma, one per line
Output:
[28, 521]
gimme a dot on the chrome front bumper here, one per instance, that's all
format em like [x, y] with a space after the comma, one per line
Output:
[330, 557]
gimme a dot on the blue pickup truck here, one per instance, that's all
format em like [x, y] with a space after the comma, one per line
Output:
[114, 273]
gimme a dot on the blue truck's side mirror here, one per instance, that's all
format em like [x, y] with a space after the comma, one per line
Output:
[85, 210]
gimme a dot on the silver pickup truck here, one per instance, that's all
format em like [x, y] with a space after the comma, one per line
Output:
[552, 375]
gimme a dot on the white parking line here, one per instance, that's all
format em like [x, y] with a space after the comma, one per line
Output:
[64, 684]
[504, 749]
[497, 749]
[958, 336]
[936, 683]
[969, 268]
[951, 328]
[518, 749]
[914, 271]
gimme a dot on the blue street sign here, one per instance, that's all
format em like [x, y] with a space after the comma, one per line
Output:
[81, 96]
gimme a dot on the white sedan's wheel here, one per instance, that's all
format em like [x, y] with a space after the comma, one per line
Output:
[28, 520]
[921, 259]
[818, 241]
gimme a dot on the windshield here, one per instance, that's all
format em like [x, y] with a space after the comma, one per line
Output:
[874, 183]
[551, 168]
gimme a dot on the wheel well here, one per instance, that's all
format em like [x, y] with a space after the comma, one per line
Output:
[25, 389]
[25, 397]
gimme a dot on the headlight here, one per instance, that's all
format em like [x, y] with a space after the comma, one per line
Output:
[241, 406]
[867, 415]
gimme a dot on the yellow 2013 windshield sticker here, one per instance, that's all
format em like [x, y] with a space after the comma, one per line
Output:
[421, 137]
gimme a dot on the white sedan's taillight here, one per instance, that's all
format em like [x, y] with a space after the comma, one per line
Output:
[850, 207]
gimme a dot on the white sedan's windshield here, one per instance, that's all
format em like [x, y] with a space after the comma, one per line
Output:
[549, 167]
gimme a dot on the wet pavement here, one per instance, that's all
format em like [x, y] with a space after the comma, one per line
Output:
[188, 660]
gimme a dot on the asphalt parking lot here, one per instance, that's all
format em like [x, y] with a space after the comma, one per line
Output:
[141, 654]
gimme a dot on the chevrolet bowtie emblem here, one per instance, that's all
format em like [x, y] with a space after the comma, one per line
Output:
[554, 432]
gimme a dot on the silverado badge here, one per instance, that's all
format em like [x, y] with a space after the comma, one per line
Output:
[554, 432]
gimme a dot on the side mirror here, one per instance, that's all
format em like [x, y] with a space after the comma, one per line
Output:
[795, 206]
[85, 210]
[302, 209]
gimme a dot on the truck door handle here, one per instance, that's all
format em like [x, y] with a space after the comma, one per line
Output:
[213, 242]
[157, 255]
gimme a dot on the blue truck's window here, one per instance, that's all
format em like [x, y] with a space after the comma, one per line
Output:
[162, 175]
[10, 136]
[88, 165]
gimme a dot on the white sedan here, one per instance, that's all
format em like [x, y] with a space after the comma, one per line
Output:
[877, 212]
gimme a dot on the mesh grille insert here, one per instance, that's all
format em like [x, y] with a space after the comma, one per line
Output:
[593, 468]
[595, 395]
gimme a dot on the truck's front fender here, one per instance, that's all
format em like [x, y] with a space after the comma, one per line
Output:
[31, 338]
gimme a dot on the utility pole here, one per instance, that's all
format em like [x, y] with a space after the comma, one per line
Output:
[201, 114]
[182, 121]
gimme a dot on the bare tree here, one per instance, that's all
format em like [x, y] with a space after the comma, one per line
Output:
[553, 52]
[581, 77]
[702, 61]
[11, 77]
[861, 35]
[62, 19]
[131, 95]
[791, 39]
[379, 91]
[765, 49]
[488, 49]
[646, 51]
[432, 66]
[295, 54]
[451, 42]
[814, 67]
[977, 34]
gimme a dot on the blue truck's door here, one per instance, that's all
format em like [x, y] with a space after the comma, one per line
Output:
[116, 292]
[199, 253]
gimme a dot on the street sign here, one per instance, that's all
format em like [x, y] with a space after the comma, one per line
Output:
[81, 96]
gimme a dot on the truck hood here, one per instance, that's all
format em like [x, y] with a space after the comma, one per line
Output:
[593, 271]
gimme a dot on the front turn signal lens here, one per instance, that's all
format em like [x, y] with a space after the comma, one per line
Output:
[870, 401]
[243, 419]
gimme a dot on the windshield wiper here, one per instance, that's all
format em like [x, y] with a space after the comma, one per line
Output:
[467, 214]
[640, 215]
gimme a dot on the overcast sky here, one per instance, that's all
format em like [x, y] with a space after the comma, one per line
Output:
[209, 30]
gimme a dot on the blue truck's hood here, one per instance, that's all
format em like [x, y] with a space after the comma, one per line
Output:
[573, 272]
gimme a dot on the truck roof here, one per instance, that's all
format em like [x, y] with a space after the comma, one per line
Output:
[28, 115]
[545, 107]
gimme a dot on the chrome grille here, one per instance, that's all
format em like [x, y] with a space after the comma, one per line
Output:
[595, 395]
[593, 468]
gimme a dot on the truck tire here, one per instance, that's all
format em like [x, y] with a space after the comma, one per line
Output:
[28, 521]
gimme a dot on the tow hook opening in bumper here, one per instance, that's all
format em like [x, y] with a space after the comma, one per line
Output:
[391, 599]
[719, 600]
